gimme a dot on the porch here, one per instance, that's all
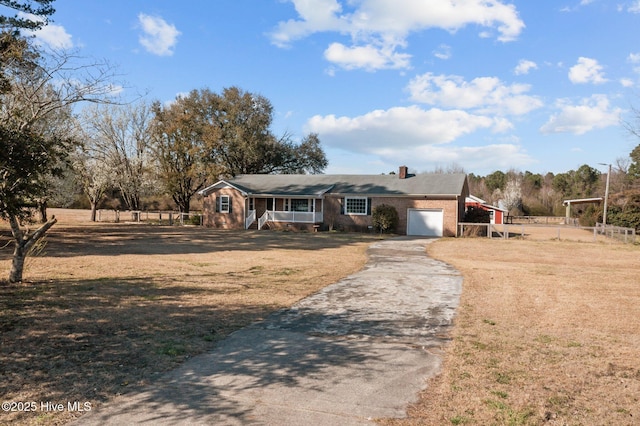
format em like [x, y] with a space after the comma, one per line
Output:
[283, 210]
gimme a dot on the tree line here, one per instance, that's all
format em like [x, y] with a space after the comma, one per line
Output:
[50, 146]
[535, 194]
[150, 148]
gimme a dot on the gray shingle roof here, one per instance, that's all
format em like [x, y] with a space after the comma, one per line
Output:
[370, 185]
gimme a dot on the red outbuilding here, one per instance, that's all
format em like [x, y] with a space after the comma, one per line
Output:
[496, 214]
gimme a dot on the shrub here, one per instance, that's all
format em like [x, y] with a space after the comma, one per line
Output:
[475, 230]
[385, 218]
[536, 208]
[625, 210]
[477, 215]
[590, 216]
[193, 219]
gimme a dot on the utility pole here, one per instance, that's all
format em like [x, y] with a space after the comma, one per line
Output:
[606, 195]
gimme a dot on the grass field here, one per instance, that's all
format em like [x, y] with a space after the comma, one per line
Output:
[548, 332]
[106, 308]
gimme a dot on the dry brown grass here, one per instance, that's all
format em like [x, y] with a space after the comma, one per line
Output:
[109, 307]
[547, 332]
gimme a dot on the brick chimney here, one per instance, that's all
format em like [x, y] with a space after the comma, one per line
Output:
[403, 172]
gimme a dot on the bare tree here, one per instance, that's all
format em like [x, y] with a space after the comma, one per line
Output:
[451, 168]
[41, 86]
[512, 194]
[94, 176]
[119, 140]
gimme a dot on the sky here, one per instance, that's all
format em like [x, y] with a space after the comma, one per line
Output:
[482, 85]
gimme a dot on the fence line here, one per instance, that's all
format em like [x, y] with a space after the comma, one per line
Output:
[548, 232]
[146, 216]
[618, 232]
[545, 220]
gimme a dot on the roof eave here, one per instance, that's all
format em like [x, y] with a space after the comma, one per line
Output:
[360, 194]
[211, 188]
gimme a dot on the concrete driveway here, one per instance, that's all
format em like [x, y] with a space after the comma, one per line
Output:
[358, 350]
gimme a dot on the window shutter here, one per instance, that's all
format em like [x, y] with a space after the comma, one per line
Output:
[230, 204]
[342, 202]
[217, 204]
[369, 206]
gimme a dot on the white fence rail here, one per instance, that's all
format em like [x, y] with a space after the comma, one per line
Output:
[618, 232]
[548, 232]
[542, 220]
[146, 216]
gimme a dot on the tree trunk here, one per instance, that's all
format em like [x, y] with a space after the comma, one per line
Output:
[23, 242]
[94, 208]
[17, 264]
[183, 202]
[42, 208]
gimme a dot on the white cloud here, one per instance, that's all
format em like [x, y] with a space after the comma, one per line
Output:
[486, 157]
[114, 90]
[524, 66]
[316, 16]
[590, 114]
[484, 94]
[443, 52]
[55, 36]
[384, 25]
[52, 35]
[634, 6]
[634, 58]
[367, 57]
[627, 82]
[159, 37]
[421, 138]
[587, 70]
[577, 7]
[402, 128]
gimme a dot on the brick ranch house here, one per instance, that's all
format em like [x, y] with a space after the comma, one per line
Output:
[427, 204]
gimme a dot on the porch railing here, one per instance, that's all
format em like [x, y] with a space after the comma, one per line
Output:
[263, 219]
[250, 219]
[296, 217]
[293, 217]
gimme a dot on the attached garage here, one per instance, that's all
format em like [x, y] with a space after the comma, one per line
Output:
[425, 222]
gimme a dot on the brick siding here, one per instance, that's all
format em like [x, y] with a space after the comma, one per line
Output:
[233, 220]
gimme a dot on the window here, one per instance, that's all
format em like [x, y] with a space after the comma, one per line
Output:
[299, 205]
[223, 204]
[356, 205]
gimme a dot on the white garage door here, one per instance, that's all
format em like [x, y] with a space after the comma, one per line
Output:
[428, 223]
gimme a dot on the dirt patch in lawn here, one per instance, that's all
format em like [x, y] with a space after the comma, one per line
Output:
[546, 333]
[108, 307]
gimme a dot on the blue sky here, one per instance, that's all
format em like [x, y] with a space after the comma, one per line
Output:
[481, 84]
